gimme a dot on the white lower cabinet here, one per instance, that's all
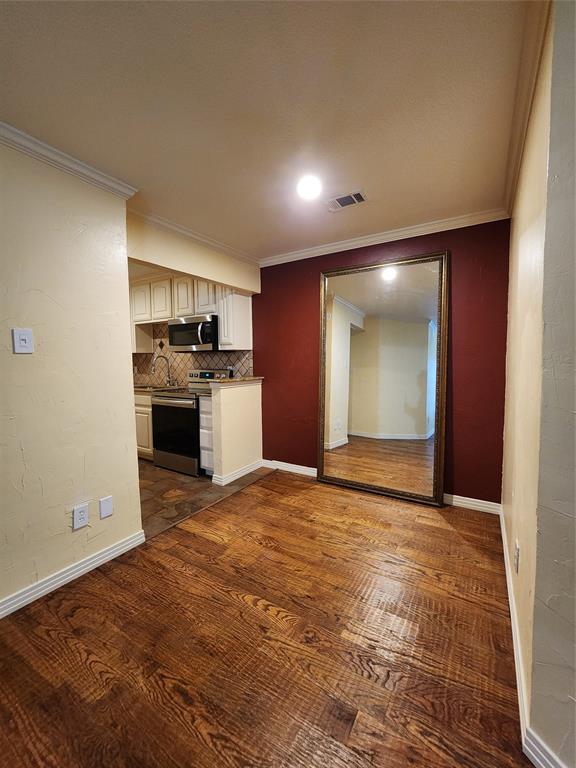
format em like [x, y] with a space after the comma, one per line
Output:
[206, 435]
[144, 441]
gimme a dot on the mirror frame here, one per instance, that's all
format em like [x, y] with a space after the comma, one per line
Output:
[437, 496]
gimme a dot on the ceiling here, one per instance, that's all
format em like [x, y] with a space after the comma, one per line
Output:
[214, 109]
[411, 297]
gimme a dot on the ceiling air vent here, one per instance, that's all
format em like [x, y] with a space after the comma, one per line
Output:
[345, 201]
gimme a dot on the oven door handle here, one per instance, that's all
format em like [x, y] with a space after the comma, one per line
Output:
[174, 403]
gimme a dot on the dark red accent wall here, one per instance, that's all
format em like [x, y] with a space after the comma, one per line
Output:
[286, 351]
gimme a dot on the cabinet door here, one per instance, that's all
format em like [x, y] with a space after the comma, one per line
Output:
[204, 297]
[140, 303]
[144, 430]
[161, 299]
[225, 315]
[183, 296]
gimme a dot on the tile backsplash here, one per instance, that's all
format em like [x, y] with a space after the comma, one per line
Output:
[182, 362]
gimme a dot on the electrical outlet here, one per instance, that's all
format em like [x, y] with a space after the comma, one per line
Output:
[80, 515]
[106, 507]
[516, 556]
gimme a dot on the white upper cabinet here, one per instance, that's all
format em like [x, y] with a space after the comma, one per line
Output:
[161, 292]
[180, 296]
[225, 312]
[183, 292]
[234, 319]
[142, 337]
[205, 297]
[140, 303]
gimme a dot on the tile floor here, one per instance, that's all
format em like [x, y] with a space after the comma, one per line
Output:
[169, 497]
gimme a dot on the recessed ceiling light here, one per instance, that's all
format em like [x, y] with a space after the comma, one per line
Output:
[389, 274]
[309, 187]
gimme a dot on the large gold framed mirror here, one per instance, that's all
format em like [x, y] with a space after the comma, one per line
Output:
[384, 336]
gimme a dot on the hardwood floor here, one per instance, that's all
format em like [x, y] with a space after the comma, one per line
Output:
[402, 465]
[168, 497]
[292, 625]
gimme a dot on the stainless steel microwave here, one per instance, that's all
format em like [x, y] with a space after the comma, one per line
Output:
[193, 334]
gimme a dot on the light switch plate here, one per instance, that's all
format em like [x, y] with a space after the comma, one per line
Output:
[106, 507]
[22, 341]
[80, 515]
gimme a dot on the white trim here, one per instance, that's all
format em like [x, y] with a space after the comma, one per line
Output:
[533, 38]
[158, 221]
[518, 659]
[538, 752]
[298, 469]
[428, 228]
[336, 443]
[468, 503]
[391, 436]
[55, 580]
[237, 474]
[23, 142]
[349, 305]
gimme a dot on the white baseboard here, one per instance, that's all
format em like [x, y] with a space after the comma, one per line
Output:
[520, 681]
[49, 583]
[538, 752]
[298, 469]
[478, 504]
[387, 436]
[533, 746]
[237, 474]
[336, 443]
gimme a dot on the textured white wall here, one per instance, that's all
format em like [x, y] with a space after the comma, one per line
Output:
[388, 389]
[154, 245]
[524, 360]
[67, 430]
[431, 377]
[339, 321]
[553, 702]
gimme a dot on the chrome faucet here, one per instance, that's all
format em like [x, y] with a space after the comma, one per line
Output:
[156, 357]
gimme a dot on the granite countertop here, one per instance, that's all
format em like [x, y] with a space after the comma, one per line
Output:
[140, 389]
[236, 379]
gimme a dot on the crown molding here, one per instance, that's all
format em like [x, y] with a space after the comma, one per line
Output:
[158, 221]
[23, 142]
[534, 36]
[349, 305]
[429, 228]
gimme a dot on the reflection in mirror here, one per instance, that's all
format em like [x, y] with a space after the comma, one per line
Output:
[381, 377]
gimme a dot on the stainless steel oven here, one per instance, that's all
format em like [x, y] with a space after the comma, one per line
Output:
[176, 431]
[193, 334]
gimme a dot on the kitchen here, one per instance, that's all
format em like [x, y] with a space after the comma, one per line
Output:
[197, 403]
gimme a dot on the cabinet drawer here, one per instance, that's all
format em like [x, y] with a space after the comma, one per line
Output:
[206, 459]
[206, 421]
[206, 438]
[205, 405]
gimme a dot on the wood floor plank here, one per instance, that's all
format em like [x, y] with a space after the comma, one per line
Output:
[401, 465]
[292, 625]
